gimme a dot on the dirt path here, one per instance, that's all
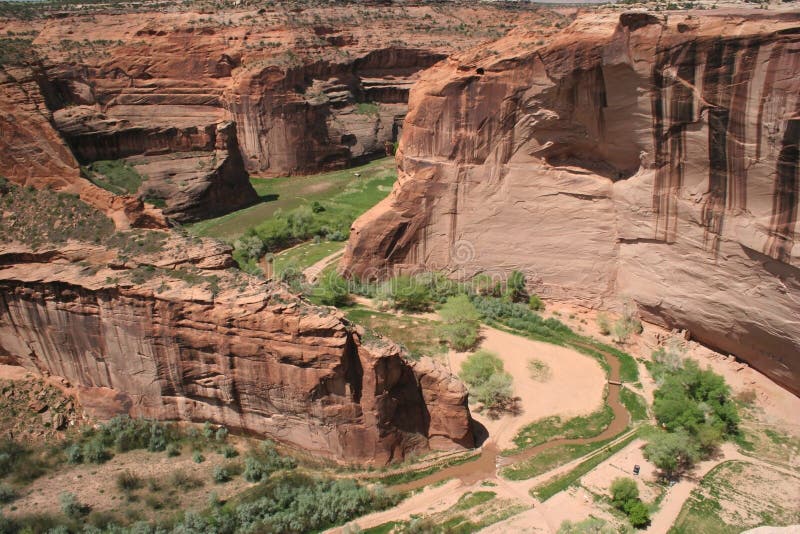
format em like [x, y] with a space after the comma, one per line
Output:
[312, 273]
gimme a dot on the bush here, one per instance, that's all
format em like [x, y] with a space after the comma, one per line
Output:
[535, 303]
[71, 506]
[515, 288]
[173, 449]
[158, 439]
[488, 382]
[405, 293]
[461, 322]
[127, 481]
[220, 475]
[95, 452]
[229, 452]
[74, 454]
[603, 323]
[198, 457]
[625, 497]
[592, 525]
[221, 434]
[332, 290]
[7, 493]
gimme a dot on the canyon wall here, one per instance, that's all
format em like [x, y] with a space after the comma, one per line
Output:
[636, 157]
[303, 90]
[133, 336]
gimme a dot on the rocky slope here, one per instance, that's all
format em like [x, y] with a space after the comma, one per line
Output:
[633, 157]
[305, 89]
[156, 324]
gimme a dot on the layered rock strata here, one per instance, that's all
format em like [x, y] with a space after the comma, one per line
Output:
[180, 337]
[636, 157]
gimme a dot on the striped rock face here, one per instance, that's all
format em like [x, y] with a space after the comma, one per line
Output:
[632, 158]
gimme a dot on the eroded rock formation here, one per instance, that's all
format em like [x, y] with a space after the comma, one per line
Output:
[633, 157]
[177, 336]
[304, 90]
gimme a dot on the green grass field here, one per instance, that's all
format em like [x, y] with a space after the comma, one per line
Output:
[285, 194]
[304, 256]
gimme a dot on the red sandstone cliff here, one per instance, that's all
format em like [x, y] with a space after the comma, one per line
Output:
[633, 157]
[179, 337]
[304, 90]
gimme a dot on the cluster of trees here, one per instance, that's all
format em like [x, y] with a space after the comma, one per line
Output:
[488, 381]
[625, 497]
[461, 322]
[295, 226]
[693, 407]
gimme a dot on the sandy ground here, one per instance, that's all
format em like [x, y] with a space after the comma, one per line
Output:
[621, 465]
[575, 387]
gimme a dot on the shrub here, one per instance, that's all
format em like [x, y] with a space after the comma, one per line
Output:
[95, 452]
[7, 493]
[220, 474]
[406, 293]
[127, 481]
[539, 370]
[158, 439]
[332, 290]
[71, 506]
[603, 323]
[198, 457]
[229, 452]
[180, 479]
[488, 382]
[625, 497]
[592, 525]
[221, 434]
[173, 449]
[515, 288]
[461, 322]
[74, 454]
[535, 303]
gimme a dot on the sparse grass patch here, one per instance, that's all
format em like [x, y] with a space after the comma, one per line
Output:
[420, 336]
[551, 428]
[634, 403]
[116, 176]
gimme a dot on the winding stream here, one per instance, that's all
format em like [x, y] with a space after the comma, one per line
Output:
[486, 466]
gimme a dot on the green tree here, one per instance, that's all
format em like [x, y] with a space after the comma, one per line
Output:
[406, 293]
[495, 393]
[488, 382]
[461, 322]
[672, 452]
[638, 514]
[623, 489]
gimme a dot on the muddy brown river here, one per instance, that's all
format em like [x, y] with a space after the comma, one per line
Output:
[487, 464]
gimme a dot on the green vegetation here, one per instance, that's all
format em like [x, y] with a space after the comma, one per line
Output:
[489, 384]
[332, 290]
[342, 194]
[39, 217]
[473, 512]
[367, 108]
[301, 257]
[551, 428]
[694, 408]
[625, 498]
[560, 483]
[549, 459]
[634, 403]
[737, 496]
[461, 322]
[592, 525]
[15, 51]
[260, 463]
[419, 336]
[117, 176]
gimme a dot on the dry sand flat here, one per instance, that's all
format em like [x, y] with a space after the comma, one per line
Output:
[575, 387]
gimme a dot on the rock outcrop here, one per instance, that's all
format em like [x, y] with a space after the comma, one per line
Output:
[177, 336]
[633, 157]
